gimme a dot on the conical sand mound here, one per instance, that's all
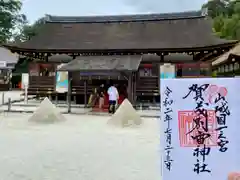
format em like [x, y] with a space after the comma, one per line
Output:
[46, 113]
[125, 115]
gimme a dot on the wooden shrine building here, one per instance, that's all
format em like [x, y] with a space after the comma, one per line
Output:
[127, 49]
[228, 64]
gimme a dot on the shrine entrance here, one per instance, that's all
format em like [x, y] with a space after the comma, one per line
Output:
[121, 86]
[96, 70]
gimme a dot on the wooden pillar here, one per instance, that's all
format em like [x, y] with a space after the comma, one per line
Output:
[159, 75]
[194, 56]
[135, 87]
[159, 78]
[75, 99]
[56, 98]
[130, 92]
[69, 92]
[10, 79]
[85, 93]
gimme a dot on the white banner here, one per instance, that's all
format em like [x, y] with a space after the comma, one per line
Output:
[199, 128]
[25, 80]
[167, 71]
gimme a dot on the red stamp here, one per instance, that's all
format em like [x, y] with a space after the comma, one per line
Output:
[186, 125]
[214, 91]
[234, 176]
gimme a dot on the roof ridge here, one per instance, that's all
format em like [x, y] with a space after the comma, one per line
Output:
[126, 18]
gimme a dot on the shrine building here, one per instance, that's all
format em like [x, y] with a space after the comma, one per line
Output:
[126, 49]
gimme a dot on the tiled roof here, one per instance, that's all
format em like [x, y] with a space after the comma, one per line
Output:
[134, 32]
[7, 56]
[60, 58]
[123, 18]
[224, 57]
[121, 63]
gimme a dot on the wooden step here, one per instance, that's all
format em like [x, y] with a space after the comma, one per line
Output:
[147, 89]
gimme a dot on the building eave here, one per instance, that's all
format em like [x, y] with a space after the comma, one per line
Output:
[224, 57]
[119, 51]
[124, 18]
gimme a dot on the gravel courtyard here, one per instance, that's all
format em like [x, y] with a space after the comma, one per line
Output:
[82, 148]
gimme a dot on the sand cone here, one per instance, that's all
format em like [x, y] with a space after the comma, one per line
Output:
[125, 116]
[46, 113]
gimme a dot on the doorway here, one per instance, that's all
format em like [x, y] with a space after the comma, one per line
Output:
[121, 85]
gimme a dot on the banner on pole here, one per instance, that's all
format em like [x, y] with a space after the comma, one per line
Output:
[62, 81]
[199, 128]
[167, 71]
[25, 81]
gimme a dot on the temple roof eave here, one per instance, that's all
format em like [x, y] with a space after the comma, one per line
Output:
[224, 57]
[148, 50]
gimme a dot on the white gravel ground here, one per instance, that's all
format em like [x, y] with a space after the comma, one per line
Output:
[82, 148]
[14, 95]
[18, 106]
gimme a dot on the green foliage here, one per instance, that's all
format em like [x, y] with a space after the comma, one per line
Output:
[218, 23]
[28, 31]
[216, 7]
[226, 17]
[13, 25]
[231, 27]
[10, 18]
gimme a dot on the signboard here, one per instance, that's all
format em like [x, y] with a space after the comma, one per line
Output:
[25, 80]
[25, 84]
[62, 81]
[167, 71]
[199, 124]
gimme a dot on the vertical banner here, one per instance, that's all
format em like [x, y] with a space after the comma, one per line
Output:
[167, 71]
[25, 81]
[199, 128]
[61, 81]
[25, 85]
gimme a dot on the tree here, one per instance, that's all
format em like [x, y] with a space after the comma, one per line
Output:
[28, 31]
[231, 27]
[226, 17]
[216, 7]
[10, 18]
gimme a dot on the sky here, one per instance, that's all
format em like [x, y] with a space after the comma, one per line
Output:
[35, 9]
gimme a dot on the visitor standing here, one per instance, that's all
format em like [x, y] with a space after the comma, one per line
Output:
[101, 96]
[113, 97]
[93, 97]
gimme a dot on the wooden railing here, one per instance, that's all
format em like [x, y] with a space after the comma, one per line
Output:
[147, 86]
[4, 87]
[41, 85]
